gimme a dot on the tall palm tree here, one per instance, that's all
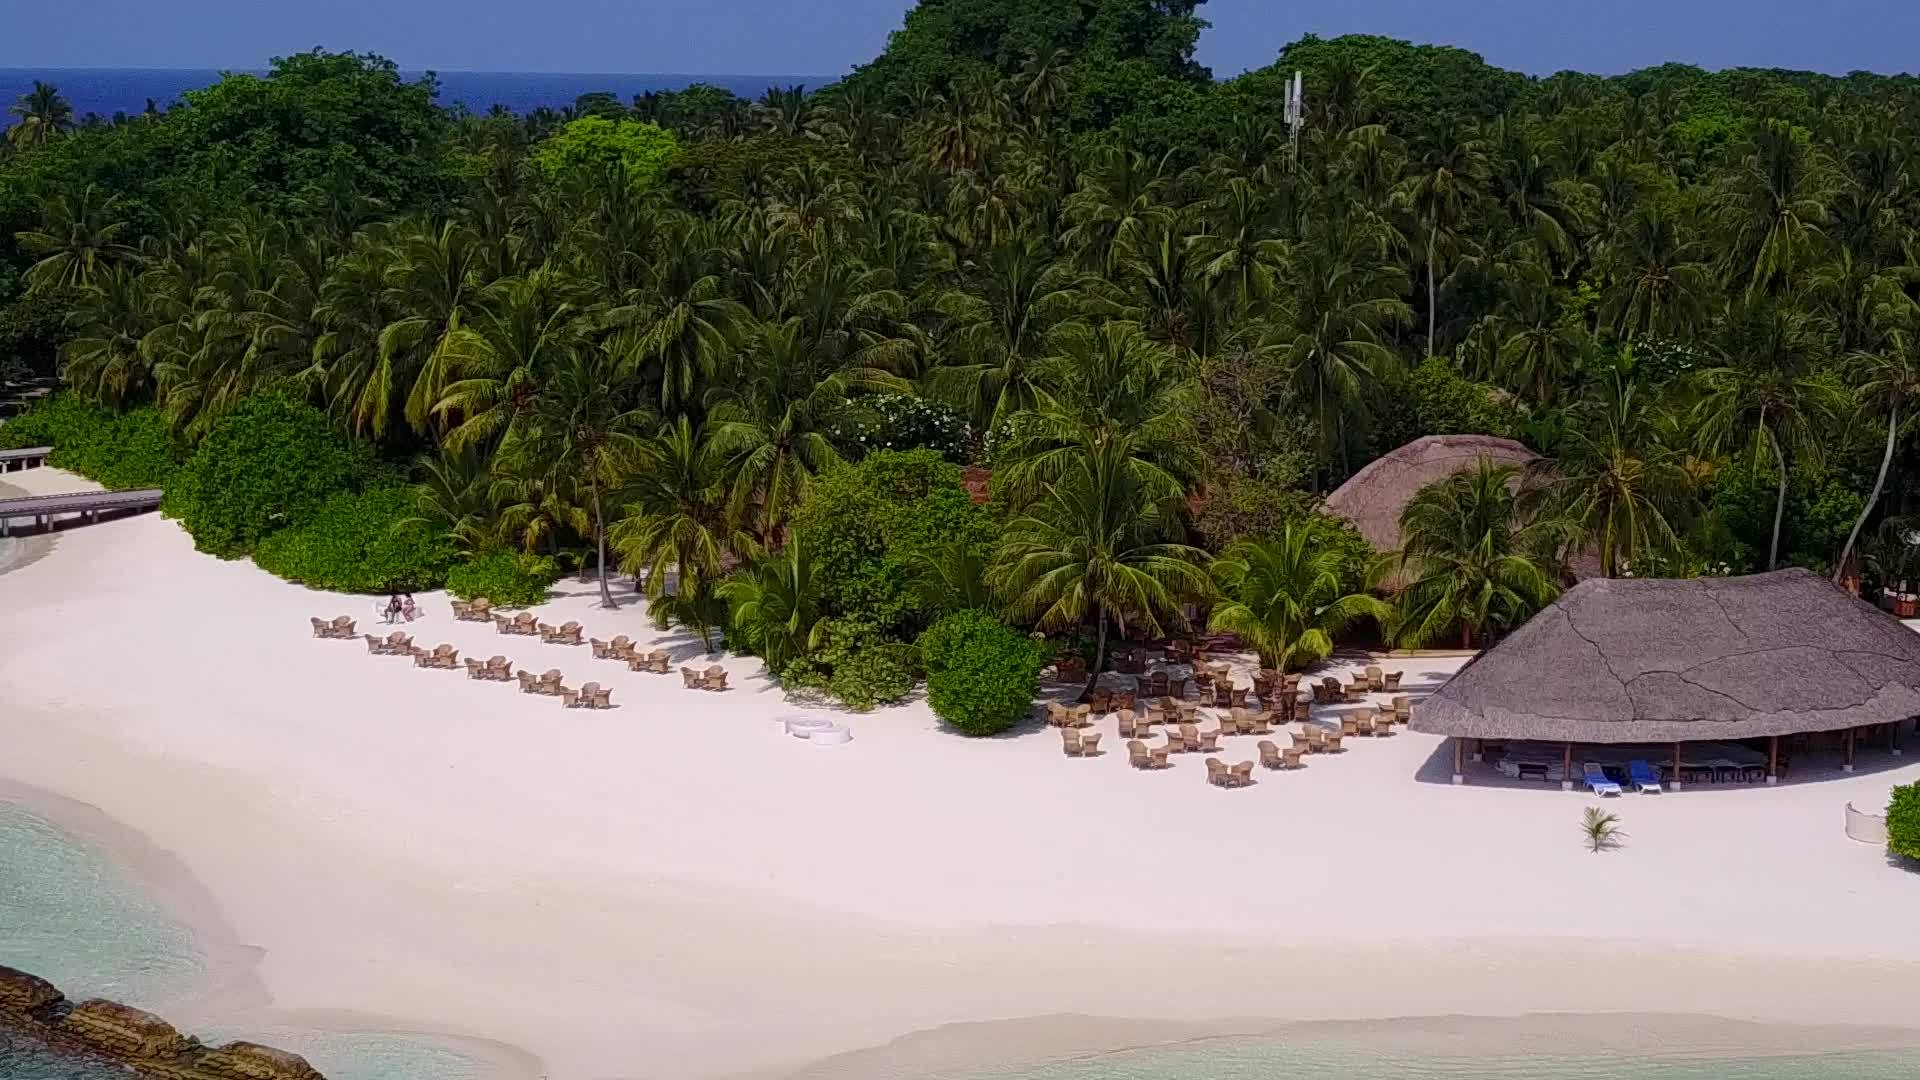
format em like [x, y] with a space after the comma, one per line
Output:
[998, 330]
[1659, 282]
[523, 327]
[1477, 565]
[769, 421]
[1285, 597]
[1889, 383]
[1769, 393]
[675, 529]
[1332, 329]
[1618, 485]
[75, 242]
[1450, 167]
[1772, 208]
[1094, 546]
[579, 425]
[107, 359]
[687, 324]
[42, 114]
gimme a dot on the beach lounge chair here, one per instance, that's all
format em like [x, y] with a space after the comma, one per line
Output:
[476, 669]
[525, 623]
[1290, 758]
[549, 633]
[1125, 719]
[374, 645]
[527, 683]
[662, 662]
[321, 627]
[421, 658]
[1645, 780]
[481, 609]
[1216, 772]
[1159, 755]
[1596, 779]
[1302, 742]
[1210, 740]
[1376, 678]
[690, 679]
[716, 678]
[621, 647]
[1357, 689]
[461, 610]
[1101, 702]
[1269, 754]
[1240, 775]
[584, 699]
[1070, 741]
[569, 697]
[1349, 725]
[1260, 723]
[1090, 744]
[1056, 713]
[502, 625]
[1332, 745]
[550, 681]
[1402, 709]
[1393, 681]
[569, 634]
[602, 650]
[446, 654]
[499, 667]
[1189, 739]
[602, 699]
[342, 626]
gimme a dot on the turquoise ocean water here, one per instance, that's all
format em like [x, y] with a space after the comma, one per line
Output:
[68, 915]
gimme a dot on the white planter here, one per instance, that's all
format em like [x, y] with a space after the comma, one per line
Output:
[1866, 828]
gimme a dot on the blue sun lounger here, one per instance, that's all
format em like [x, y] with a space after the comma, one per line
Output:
[1597, 781]
[1644, 779]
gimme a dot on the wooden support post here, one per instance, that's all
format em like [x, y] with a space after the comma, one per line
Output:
[1675, 785]
[1893, 737]
[1566, 769]
[1479, 749]
[1848, 767]
[1459, 775]
[1773, 759]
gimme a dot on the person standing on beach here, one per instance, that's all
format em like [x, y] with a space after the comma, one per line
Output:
[393, 606]
[407, 609]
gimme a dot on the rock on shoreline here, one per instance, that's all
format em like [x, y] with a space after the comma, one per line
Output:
[137, 1039]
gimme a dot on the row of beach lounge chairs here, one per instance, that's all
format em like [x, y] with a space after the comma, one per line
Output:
[1639, 773]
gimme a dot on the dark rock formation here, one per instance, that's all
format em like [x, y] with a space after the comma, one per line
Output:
[140, 1040]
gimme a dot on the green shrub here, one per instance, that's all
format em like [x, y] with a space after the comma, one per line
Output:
[585, 147]
[863, 524]
[856, 666]
[269, 464]
[903, 422]
[981, 674]
[118, 451]
[507, 578]
[1903, 822]
[370, 542]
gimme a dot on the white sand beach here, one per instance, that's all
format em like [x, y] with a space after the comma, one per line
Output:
[673, 888]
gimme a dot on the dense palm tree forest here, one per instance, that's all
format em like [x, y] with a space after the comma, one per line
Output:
[768, 356]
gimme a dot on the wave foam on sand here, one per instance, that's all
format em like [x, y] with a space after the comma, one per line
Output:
[671, 888]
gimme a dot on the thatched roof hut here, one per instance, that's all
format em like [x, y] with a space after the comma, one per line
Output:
[1657, 661]
[1374, 497]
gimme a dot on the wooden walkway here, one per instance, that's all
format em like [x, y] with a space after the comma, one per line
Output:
[41, 509]
[25, 458]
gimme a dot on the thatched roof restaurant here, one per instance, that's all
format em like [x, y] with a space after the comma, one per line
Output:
[1661, 662]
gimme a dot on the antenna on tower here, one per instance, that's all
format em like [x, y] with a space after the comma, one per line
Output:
[1296, 114]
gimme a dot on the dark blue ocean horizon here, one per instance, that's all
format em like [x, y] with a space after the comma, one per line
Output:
[105, 91]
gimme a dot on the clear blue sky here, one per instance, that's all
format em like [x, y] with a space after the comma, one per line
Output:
[826, 36]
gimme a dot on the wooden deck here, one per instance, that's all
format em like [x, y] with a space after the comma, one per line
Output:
[42, 509]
